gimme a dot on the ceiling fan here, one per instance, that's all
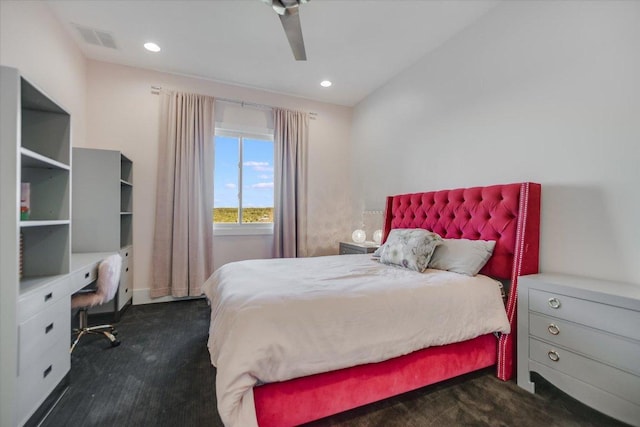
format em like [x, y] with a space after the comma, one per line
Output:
[287, 10]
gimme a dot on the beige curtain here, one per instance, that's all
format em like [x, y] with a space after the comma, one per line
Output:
[291, 135]
[183, 253]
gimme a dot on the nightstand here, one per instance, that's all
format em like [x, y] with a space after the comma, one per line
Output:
[583, 336]
[350, 248]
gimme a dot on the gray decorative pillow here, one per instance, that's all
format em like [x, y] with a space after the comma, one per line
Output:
[409, 248]
[462, 255]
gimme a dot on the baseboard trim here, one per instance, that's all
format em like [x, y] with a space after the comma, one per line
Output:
[141, 296]
[38, 417]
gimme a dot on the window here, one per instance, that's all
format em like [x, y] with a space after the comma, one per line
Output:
[243, 181]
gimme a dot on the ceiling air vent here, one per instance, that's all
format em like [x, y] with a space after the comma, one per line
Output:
[96, 37]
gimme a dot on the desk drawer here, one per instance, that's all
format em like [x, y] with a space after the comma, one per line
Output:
[610, 349]
[615, 381]
[605, 317]
[126, 253]
[42, 298]
[85, 276]
[125, 291]
[41, 377]
[41, 332]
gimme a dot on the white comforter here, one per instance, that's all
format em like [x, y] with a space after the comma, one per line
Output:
[273, 320]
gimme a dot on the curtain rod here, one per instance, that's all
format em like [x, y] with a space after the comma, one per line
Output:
[155, 90]
[243, 103]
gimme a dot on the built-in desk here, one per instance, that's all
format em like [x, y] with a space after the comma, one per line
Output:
[84, 268]
[44, 328]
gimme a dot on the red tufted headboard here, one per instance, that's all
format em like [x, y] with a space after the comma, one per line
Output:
[508, 214]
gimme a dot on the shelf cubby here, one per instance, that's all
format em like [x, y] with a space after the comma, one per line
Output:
[126, 230]
[126, 197]
[46, 250]
[45, 126]
[49, 192]
[126, 169]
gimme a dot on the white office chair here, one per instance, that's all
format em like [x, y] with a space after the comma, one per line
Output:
[107, 286]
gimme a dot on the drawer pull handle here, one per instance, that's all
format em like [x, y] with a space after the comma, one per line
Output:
[86, 275]
[47, 371]
[48, 296]
[553, 355]
[554, 302]
[127, 269]
[48, 328]
[553, 329]
[126, 254]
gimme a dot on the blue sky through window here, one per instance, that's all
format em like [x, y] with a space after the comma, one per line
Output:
[257, 172]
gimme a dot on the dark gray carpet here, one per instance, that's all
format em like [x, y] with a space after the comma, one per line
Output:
[161, 376]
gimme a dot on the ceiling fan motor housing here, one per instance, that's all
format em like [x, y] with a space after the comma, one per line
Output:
[285, 7]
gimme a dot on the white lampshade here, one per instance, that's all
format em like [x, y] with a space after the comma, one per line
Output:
[359, 236]
[377, 236]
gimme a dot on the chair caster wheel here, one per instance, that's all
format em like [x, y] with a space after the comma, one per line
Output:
[115, 343]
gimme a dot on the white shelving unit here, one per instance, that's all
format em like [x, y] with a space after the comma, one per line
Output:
[35, 147]
[103, 213]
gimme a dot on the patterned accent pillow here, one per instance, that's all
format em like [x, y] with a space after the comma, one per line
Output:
[462, 255]
[409, 248]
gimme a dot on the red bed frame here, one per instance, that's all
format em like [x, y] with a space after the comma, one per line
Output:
[508, 214]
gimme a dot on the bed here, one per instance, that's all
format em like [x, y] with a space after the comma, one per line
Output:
[255, 387]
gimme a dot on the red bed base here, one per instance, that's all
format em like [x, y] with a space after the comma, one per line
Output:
[304, 399]
[508, 214]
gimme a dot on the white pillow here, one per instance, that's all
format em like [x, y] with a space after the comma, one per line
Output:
[409, 248]
[462, 255]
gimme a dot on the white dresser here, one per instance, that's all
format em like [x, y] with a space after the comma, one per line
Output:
[583, 336]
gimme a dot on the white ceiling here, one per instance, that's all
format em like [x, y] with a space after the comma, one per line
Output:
[357, 44]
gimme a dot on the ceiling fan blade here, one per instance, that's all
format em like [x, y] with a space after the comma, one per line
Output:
[293, 30]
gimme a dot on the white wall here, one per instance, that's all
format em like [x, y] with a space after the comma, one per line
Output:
[540, 91]
[124, 115]
[34, 42]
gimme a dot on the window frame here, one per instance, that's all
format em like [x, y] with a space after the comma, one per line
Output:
[240, 228]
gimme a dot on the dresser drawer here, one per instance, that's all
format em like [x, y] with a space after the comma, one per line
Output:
[41, 332]
[612, 380]
[42, 298]
[610, 349]
[41, 377]
[608, 318]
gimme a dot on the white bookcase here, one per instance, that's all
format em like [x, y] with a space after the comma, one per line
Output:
[103, 213]
[35, 147]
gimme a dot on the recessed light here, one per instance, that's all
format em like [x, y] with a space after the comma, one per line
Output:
[152, 47]
[325, 83]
